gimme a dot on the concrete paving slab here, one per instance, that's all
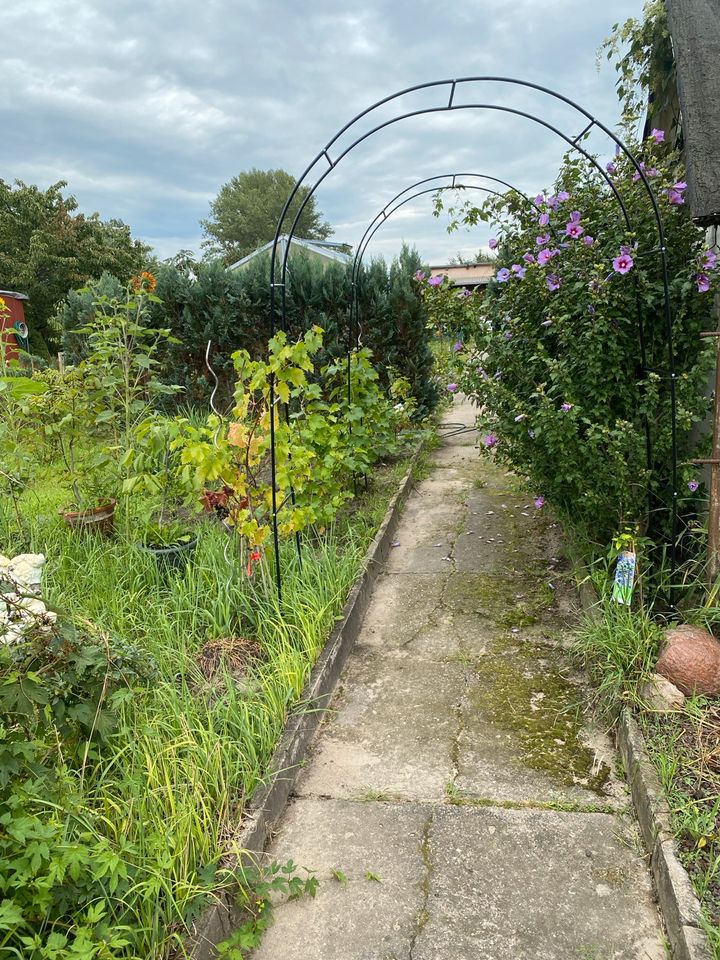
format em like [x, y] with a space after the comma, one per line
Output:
[366, 919]
[393, 732]
[535, 885]
[521, 736]
[402, 606]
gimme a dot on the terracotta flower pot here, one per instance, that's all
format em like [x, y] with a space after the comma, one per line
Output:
[100, 519]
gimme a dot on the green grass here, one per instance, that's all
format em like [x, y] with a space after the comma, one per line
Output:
[685, 749]
[165, 799]
[618, 648]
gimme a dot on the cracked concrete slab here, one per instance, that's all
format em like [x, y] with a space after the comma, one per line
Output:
[535, 885]
[366, 918]
[392, 732]
[391, 622]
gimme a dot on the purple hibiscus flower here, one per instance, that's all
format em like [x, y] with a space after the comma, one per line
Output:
[703, 282]
[566, 406]
[693, 486]
[710, 259]
[623, 264]
[529, 257]
[611, 167]
[544, 219]
[588, 240]
[546, 255]
[553, 282]
[457, 346]
[676, 193]
[451, 388]
[435, 281]
[519, 270]
[502, 275]
[657, 135]
[492, 243]
[542, 239]
[539, 503]
[491, 440]
[574, 229]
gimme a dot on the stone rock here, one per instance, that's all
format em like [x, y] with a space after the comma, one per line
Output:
[691, 661]
[25, 570]
[661, 695]
[21, 609]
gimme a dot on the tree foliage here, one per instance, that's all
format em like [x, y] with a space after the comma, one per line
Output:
[245, 213]
[48, 248]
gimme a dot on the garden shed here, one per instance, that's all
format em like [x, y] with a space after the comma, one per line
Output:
[14, 322]
[466, 275]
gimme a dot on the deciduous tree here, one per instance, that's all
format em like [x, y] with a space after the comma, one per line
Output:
[245, 213]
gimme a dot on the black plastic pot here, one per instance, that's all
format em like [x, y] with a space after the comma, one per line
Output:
[173, 557]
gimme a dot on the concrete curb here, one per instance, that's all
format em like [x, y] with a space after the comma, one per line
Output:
[679, 906]
[269, 801]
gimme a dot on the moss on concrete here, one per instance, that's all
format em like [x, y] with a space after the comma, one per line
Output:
[522, 690]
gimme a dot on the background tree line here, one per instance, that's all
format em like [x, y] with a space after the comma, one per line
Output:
[204, 302]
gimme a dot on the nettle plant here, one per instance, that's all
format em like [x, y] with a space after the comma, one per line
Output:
[323, 439]
[557, 367]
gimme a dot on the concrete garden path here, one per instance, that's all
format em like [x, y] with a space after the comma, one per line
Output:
[455, 805]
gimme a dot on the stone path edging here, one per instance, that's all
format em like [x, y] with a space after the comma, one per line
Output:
[679, 906]
[268, 804]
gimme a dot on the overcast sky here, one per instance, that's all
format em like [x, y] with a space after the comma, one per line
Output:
[147, 108]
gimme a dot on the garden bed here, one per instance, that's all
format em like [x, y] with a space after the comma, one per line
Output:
[127, 848]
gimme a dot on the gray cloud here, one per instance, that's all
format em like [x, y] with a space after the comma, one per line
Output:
[147, 108]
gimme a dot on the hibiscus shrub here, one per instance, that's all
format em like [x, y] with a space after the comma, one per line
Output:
[566, 396]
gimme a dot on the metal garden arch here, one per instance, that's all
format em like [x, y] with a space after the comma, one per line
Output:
[452, 85]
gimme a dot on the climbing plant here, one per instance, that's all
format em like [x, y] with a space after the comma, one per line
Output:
[557, 367]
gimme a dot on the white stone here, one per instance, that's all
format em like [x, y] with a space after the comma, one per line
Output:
[26, 570]
[21, 609]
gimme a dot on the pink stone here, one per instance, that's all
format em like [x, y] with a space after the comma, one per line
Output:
[691, 660]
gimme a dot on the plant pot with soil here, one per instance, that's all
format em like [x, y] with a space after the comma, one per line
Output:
[172, 544]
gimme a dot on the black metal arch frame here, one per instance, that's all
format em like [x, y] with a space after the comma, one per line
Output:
[384, 215]
[448, 107]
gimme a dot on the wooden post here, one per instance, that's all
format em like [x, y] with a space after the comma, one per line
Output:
[61, 362]
[713, 565]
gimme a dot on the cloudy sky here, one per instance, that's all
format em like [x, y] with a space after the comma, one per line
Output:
[147, 108]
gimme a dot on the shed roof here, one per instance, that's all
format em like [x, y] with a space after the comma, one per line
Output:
[465, 274]
[14, 295]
